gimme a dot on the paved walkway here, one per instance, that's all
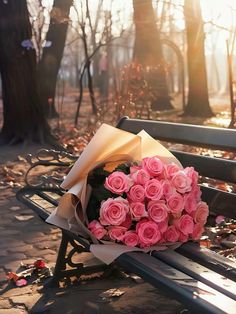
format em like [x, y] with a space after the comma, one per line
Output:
[25, 238]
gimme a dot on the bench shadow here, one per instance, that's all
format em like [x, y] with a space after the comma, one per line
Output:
[83, 298]
[87, 296]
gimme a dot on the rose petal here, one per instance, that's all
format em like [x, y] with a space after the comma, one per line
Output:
[21, 282]
[39, 264]
[219, 219]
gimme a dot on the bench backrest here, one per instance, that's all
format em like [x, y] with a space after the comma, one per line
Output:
[215, 138]
[216, 168]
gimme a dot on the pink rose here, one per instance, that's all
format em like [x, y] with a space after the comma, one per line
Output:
[134, 169]
[153, 165]
[176, 203]
[163, 225]
[116, 233]
[168, 188]
[162, 240]
[202, 212]
[114, 211]
[171, 234]
[157, 211]
[185, 224]
[140, 177]
[183, 237]
[153, 189]
[118, 182]
[198, 230]
[97, 229]
[128, 222]
[181, 182]
[148, 233]
[196, 191]
[170, 170]
[190, 204]
[136, 193]
[138, 210]
[130, 238]
[192, 174]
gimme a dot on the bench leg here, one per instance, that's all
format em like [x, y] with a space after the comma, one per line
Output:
[60, 262]
[64, 259]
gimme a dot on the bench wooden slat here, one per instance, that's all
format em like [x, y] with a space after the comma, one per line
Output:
[209, 259]
[199, 272]
[48, 198]
[177, 284]
[34, 199]
[220, 202]
[183, 133]
[217, 168]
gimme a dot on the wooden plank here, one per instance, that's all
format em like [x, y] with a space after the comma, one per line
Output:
[41, 203]
[197, 271]
[55, 196]
[209, 259]
[49, 197]
[25, 199]
[219, 202]
[196, 295]
[206, 166]
[219, 138]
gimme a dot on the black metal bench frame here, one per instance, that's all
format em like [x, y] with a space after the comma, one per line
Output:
[169, 271]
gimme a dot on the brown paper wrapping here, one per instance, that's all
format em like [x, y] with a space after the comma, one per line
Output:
[109, 145]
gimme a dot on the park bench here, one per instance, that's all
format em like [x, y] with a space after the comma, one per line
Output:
[201, 279]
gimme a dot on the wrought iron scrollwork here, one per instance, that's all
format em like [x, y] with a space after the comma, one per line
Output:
[66, 267]
[77, 248]
[48, 158]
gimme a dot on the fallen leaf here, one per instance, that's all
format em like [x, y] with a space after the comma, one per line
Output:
[219, 219]
[12, 276]
[24, 217]
[137, 279]
[205, 243]
[26, 273]
[15, 207]
[20, 158]
[112, 293]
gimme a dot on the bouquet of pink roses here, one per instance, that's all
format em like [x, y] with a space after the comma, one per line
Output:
[127, 192]
[146, 203]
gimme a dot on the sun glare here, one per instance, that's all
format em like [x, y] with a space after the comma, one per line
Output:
[219, 17]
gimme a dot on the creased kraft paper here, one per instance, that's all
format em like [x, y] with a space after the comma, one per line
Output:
[108, 146]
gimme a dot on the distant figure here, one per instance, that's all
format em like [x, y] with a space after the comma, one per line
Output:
[103, 75]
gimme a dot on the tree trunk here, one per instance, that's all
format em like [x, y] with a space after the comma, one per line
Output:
[148, 52]
[198, 100]
[23, 116]
[50, 61]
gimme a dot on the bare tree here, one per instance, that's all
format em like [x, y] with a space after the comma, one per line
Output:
[38, 18]
[49, 64]
[198, 100]
[148, 52]
[99, 35]
[24, 119]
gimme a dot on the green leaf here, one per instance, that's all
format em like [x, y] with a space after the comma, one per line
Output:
[123, 168]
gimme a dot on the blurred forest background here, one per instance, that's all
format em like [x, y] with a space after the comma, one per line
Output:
[66, 66]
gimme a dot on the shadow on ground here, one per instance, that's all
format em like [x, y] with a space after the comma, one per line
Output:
[87, 298]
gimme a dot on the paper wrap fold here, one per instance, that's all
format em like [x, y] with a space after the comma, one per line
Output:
[108, 146]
